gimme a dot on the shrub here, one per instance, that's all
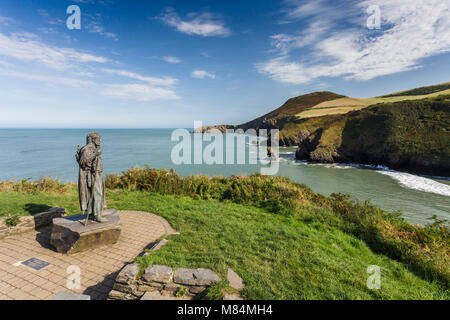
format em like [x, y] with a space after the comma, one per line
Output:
[12, 221]
[181, 292]
[29, 186]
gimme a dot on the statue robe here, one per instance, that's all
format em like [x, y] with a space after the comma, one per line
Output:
[91, 184]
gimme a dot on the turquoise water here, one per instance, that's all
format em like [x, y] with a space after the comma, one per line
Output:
[35, 153]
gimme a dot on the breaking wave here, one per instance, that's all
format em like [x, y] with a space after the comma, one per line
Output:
[411, 181]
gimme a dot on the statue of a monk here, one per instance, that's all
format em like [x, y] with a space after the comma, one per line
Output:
[91, 185]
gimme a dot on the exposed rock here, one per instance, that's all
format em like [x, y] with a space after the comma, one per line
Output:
[172, 287]
[184, 276]
[125, 288]
[158, 296]
[205, 277]
[46, 218]
[157, 273]
[113, 294]
[197, 289]
[155, 285]
[144, 288]
[234, 280]
[69, 234]
[234, 296]
[195, 277]
[128, 274]
[321, 155]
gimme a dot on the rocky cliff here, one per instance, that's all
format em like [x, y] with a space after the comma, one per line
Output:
[410, 135]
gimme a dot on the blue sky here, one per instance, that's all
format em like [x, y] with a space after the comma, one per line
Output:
[148, 64]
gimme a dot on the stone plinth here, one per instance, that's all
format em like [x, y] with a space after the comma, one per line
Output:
[70, 235]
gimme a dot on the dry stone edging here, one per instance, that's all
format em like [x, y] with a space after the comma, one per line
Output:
[233, 296]
[234, 280]
[31, 223]
[161, 281]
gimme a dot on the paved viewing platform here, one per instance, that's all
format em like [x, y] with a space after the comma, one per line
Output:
[99, 267]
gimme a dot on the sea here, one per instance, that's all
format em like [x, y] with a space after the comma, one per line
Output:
[38, 153]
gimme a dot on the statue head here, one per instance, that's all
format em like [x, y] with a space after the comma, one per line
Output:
[94, 137]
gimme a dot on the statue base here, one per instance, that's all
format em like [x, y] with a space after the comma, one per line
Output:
[70, 235]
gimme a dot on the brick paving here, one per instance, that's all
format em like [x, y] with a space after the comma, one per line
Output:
[99, 267]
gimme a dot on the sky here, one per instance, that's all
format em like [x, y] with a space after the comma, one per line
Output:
[165, 64]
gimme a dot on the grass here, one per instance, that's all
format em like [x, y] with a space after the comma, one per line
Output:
[278, 256]
[422, 90]
[347, 104]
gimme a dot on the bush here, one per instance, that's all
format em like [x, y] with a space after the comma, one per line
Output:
[276, 194]
[12, 221]
[28, 186]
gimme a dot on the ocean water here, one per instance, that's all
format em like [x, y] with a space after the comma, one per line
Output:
[35, 153]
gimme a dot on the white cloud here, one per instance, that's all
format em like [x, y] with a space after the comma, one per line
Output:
[68, 67]
[27, 47]
[284, 42]
[96, 27]
[54, 80]
[166, 81]
[154, 89]
[173, 60]
[414, 30]
[6, 20]
[138, 92]
[204, 24]
[202, 74]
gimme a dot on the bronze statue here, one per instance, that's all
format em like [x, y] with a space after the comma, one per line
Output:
[91, 185]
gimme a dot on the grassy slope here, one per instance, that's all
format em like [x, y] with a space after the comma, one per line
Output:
[279, 257]
[409, 133]
[422, 90]
[290, 117]
[345, 105]
[325, 103]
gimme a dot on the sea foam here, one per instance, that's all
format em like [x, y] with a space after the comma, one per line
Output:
[411, 181]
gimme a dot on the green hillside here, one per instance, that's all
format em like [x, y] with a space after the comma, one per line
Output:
[410, 134]
[421, 90]
[405, 130]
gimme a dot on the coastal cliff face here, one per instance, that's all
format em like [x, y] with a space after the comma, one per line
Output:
[410, 135]
[408, 130]
[282, 116]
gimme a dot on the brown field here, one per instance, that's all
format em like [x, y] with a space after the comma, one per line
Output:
[345, 105]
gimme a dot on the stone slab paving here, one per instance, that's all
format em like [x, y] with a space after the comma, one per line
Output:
[99, 267]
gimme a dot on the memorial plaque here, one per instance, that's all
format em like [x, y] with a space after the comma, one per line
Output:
[36, 264]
